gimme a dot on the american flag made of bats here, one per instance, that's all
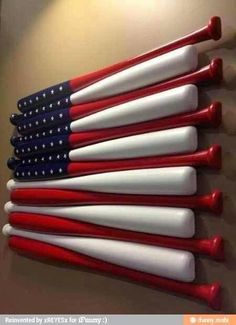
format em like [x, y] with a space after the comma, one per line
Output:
[96, 154]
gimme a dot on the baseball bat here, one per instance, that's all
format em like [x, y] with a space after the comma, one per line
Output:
[209, 293]
[177, 140]
[169, 102]
[207, 74]
[211, 31]
[208, 117]
[212, 247]
[171, 263]
[210, 157]
[166, 181]
[212, 202]
[178, 222]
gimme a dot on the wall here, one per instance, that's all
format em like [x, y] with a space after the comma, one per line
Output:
[45, 42]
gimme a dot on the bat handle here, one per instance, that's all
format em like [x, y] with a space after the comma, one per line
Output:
[209, 293]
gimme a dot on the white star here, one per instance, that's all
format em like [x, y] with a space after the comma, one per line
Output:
[36, 173]
[43, 109]
[67, 100]
[44, 120]
[60, 170]
[43, 133]
[17, 150]
[29, 161]
[28, 149]
[19, 127]
[58, 156]
[44, 95]
[50, 131]
[24, 114]
[50, 105]
[52, 118]
[37, 98]
[30, 125]
[30, 113]
[24, 126]
[60, 88]
[25, 137]
[66, 128]
[23, 150]
[21, 139]
[17, 174]
[31, 137]
[36, 110]
[60, 142]
[58, 103]
[43, 145]
[23, 161]
[35, 160]
[61, 115]
[52, 91]
[19, 105]
[23, 174]
[51, 171]
[35, 147]
[37, 135]
[64, 155]
[42, 158]
[29, 173]
[43, 172]
[50, 157]
[59, 130]
[37, 122]
[24, 103]
[30, 101]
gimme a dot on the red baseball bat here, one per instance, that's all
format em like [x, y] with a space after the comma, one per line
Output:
[211, 202]
[211, 31]
[213, 247]
[209, 293]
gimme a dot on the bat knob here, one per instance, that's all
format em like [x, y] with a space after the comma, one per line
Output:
[216, 203]
[14, 118]
[214, 296]
[12, 163]
[215, 114]
[216, 69]
[13, 140]
[217, 248]
[214, 156]
[214, 28]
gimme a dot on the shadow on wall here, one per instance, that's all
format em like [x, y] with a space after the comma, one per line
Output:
[22, 14]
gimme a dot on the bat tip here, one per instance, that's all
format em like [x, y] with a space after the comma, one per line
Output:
[214, 28]
[8, 207]
[215, 114]
[10, 184]
[14, 118]
[12, 163]
[13, 140]
[214, 299]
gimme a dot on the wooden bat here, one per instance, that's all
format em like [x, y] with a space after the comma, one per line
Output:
[172, 141]
[212, 202]
[205, 158]
[177, 222]
[206, 75]
[171, 263]
[213, 247]
[208, 117]
[170, 102]
[211, 31]
[164, 181]
[208, 293]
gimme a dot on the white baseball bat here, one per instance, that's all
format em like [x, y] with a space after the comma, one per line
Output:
[172, 141]
[170, 102]
[160, 68]
[170, 263]
[158, 181]
[178, 140]
[176, 222]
